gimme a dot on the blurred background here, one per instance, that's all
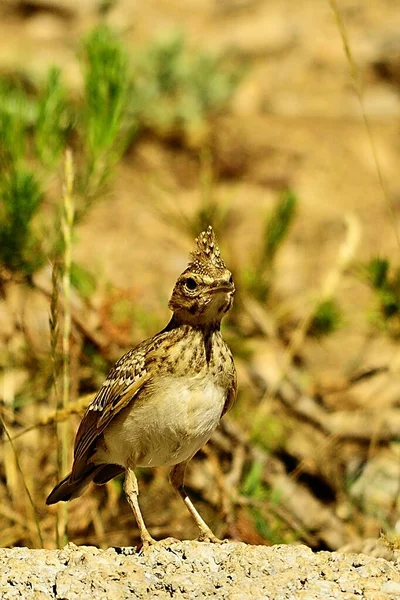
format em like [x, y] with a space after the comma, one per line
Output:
[126, 128]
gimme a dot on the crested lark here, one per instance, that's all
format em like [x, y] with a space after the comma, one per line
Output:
[163, 399]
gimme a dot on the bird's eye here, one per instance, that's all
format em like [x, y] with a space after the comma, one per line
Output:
[191, 283]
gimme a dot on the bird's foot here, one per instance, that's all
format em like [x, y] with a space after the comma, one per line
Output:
[208, 536]
[149, 542]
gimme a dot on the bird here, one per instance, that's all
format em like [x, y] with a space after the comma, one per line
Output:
[163, 399]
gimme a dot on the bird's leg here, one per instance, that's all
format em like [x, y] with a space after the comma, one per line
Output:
[176, 477]
[131, 490]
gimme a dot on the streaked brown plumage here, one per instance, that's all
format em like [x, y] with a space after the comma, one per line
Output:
[163, 399]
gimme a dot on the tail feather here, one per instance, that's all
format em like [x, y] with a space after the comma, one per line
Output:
[69, 488]
[107, 472]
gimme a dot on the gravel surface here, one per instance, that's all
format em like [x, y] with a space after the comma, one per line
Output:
[234, 571]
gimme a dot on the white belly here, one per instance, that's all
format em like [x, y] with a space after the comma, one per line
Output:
[167, 426]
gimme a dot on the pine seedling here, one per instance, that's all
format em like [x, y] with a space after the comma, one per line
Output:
[20, 200]
[106, 130]
[21, 192]
[375, 272]
[386, 285]
[167, 58]
[158, 84]
[326, 319]
[213, 81]
[17, 113]
[277, 226]
[377, 275]
[175, 92]
[52, 120]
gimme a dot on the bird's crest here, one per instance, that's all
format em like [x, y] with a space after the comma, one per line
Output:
[207, 252]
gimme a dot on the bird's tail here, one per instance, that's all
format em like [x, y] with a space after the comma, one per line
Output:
[69, 488]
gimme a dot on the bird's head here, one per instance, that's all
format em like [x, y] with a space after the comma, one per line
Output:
[203, 294]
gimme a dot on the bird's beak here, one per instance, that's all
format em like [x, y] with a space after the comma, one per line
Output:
[223, 286]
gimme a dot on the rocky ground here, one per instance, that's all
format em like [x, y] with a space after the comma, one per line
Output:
[233, 571]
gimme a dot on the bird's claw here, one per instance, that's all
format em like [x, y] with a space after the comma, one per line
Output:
[208, 536]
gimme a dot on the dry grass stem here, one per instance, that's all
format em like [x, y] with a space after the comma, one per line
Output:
[26, 488]
[54, 339]
[64, 435]
[358, 86]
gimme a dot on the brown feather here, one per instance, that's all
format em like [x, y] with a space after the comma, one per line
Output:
[94, 422]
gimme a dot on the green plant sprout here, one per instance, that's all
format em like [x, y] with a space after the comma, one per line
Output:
[327, 318]
[384, 280]
[276, 229]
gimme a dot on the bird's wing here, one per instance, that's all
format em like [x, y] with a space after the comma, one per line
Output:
[124, 382]
[232, 388]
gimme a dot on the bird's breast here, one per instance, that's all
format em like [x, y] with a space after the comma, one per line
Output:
[186, 411]
[189, 406]
[167, 424]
